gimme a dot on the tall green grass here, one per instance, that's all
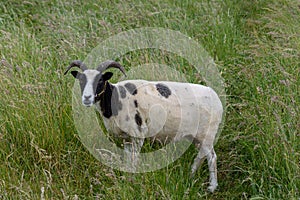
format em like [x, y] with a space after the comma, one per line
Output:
[255, 44]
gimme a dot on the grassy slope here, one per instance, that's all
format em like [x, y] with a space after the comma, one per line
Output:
[255, 44]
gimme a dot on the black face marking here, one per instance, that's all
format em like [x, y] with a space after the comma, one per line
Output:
[82, 82]
[127, 118]
[131, 88]
[122, 91]
[163, 90]
[82, 79]
[138, 119]
[135, 103]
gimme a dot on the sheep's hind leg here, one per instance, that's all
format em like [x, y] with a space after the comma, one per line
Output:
[212, 166]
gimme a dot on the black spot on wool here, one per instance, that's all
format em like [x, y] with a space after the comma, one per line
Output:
[135, 103]
[138, 119]
[163, 90]
[122, 91]
[131, 88]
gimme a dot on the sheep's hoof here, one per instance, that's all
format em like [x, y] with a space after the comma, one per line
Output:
[192, 174]
[212, 188]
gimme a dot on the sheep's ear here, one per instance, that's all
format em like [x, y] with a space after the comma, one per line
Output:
[107, 76]
[75, 74]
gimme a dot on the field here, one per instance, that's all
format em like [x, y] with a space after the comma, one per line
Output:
[255, 44]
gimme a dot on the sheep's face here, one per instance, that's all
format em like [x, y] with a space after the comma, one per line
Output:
[92, 84]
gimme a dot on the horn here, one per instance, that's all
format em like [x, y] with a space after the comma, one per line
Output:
[76, 63]
[110, 63]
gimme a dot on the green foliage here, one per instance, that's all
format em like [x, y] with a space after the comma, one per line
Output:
[255, 44]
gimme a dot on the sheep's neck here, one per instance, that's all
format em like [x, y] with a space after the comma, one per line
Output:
[109, 101]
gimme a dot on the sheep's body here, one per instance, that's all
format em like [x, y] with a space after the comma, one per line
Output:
[137, 109]
[189, 110]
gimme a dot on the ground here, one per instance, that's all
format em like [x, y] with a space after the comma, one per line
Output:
[255, 45]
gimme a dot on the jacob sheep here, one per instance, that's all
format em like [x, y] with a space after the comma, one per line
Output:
[159, 110]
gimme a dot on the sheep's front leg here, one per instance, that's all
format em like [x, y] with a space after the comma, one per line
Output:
[132, 151]
[197, 163]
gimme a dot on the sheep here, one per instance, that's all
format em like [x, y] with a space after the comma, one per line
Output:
[157, 109]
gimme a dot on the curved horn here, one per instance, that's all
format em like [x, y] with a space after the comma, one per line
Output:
[110, 63]
[76, 63]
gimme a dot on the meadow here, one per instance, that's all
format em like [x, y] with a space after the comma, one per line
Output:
[255, 44]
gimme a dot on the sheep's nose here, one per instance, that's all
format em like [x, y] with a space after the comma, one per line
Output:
[87, 100]
[87, 97]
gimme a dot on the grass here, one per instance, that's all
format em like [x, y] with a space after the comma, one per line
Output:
[255, 44]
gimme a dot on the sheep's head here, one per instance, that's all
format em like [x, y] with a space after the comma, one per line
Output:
[92, 82]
